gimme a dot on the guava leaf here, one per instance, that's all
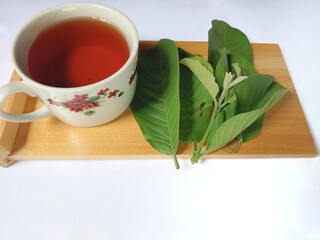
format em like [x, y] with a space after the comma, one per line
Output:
[195, 104]
[232, 128]
[248, 93]
[222, 35]
[156, 104]
[203, 73]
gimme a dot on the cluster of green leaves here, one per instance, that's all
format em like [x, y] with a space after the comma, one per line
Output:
[183, 97]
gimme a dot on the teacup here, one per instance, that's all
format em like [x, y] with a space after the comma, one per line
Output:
[89, 104]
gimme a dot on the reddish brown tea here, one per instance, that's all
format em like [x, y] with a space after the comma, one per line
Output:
[77, 52]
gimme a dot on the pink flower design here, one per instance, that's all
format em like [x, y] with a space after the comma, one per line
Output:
[103, 91]
[84, 103]
[113, 94]
[52, 102]
[132, 76]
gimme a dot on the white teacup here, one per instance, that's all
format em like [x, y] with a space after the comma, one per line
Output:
[85, 106]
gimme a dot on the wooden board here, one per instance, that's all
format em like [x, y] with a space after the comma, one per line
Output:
[285, 133]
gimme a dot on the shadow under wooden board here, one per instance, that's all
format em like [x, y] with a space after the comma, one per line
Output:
[285, 132]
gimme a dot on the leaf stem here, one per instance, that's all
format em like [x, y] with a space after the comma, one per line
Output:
[209, 150]
[175, 160]
[193, 147]
[196, 155]
[223, 95]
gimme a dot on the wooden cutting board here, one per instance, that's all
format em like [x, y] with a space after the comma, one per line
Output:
[285, 132]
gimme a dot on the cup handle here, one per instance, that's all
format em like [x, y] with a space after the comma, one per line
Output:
[16, 87]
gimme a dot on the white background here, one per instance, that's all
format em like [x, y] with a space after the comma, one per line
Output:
[276, 199]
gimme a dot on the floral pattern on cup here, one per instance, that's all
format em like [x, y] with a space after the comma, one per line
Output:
[87, 104]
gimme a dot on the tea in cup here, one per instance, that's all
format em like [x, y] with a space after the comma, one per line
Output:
[80, 60]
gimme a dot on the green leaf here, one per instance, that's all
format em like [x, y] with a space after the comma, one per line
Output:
[89, 113]
[236, 70]
[94, 98]
[227, 112]
[231, 109]
[203, 73]
[195, 104]
[231, 128]
[203, 62]
[274, 88]
[246, 67]
[222, 35]
[63, 104]
[248, 93]
[120, 93]
[251, 90]
[237, 81]
[155, 105]
[253, 130]
[222, 67]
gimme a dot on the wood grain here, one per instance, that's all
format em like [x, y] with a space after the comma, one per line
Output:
[285, 133]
